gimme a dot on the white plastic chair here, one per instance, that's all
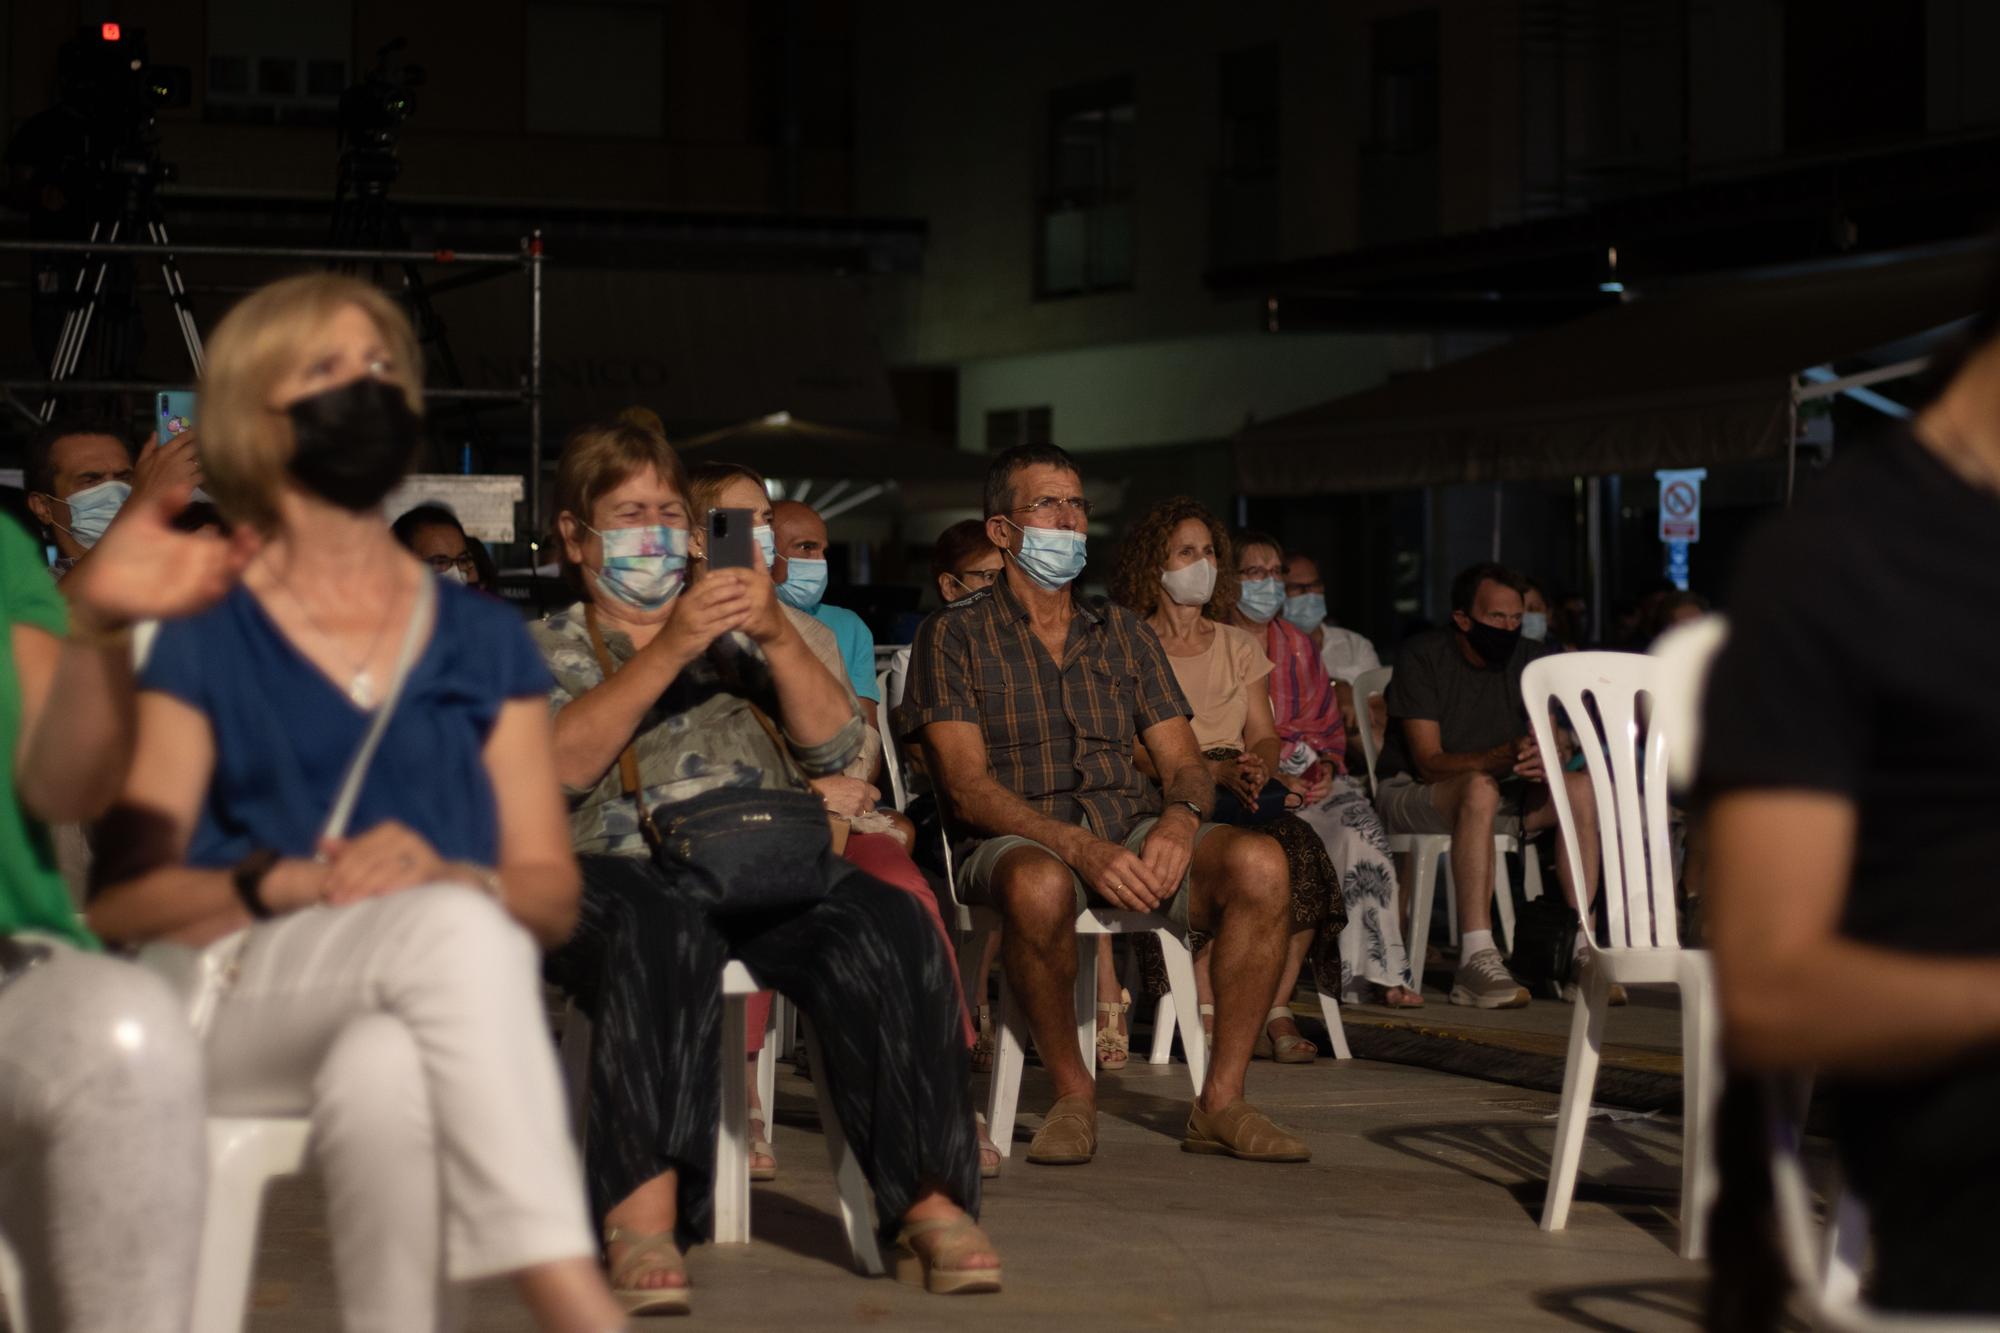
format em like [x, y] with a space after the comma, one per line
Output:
[1630, 785]
[1427, 851]
[892, 762]
[975, 925]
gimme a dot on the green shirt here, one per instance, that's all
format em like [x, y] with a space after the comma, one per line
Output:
[32, 893]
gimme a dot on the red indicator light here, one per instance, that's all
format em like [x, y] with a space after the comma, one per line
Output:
[111, 32]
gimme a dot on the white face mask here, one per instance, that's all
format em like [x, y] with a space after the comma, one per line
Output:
[453, 574]
[1191, 585]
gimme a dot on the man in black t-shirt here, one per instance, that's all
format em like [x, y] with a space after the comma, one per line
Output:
[1851, 768]
[1460, 759]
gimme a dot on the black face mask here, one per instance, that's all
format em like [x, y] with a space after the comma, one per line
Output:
[354, 443]
[1494, 645]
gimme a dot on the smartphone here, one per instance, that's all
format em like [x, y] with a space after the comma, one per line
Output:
[732, 540]
[173, 412]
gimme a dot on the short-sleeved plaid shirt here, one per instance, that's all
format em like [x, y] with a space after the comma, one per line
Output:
[1058, 735]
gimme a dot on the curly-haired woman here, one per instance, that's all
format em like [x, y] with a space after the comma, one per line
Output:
[1167, 573]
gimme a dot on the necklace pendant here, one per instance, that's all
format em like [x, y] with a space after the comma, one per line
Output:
[362, 690]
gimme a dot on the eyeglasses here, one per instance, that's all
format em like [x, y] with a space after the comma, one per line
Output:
[1051, 505]
[443, 562]
[1256, 573]
[976, 578]
[1301, 589]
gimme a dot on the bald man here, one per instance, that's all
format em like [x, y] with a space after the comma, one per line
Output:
[800, 573]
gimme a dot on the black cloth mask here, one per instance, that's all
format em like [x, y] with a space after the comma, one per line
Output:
[1494, 645]
[354, 443]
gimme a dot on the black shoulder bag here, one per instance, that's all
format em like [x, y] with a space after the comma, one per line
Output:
[738, 850]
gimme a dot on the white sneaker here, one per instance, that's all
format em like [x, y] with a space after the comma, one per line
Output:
[1586, 964]
[1483, 982]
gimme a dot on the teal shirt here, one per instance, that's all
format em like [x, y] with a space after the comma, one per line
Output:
[857, 648]
[32, 893]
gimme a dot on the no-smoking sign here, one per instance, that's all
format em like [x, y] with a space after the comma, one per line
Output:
[1680, 504]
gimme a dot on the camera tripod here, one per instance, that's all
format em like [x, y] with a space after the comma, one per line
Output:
[139, 219]
[365, 218]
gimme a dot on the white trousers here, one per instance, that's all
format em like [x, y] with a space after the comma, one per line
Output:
[410, 1027]
[103, 1155]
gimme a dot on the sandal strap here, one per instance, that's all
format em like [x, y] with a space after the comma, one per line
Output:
[650, 1252]
[958, 1237]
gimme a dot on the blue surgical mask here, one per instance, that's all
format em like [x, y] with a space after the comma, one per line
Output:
[645, 568]
[1534, 625]
[92, 509]
[805, 584]
[1051, 557]
[1306, 611]
[767, 542]
[1261, 599]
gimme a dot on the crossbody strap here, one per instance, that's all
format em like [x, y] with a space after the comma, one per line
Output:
[414, 636]
[628, 760]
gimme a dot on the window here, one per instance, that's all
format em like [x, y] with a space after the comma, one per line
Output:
[596, 70]
[1401, 186]
[277, 65]
[1085, 240]
[1244, 218]
[1009, 426]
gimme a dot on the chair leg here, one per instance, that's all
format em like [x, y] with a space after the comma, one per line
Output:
[1187, 1005]
[1086, 1000]
[241, 1162]
[732, 1136]
[576, 1068]
[1531, 873]
[857, 1201]
[11, 1298]
[1424, 857]
[1503, 899]
[1163, 1031]
[1700, 1089]
[1336, 1031]
[1586, 1039]
[1004, 1093]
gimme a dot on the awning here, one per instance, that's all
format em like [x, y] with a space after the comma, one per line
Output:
[1688, 378]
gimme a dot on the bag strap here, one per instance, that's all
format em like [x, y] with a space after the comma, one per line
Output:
[628, 760]
[414, 636]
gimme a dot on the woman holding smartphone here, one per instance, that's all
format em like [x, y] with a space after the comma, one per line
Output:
[668, 691]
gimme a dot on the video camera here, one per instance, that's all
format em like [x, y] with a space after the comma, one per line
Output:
[106, 78]
[372, 112]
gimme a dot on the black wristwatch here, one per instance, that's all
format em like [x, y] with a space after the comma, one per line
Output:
[248, 877]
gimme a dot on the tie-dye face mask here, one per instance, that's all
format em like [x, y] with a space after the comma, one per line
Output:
[645, 568]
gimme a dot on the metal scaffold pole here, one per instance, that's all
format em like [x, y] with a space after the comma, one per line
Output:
[535, 381]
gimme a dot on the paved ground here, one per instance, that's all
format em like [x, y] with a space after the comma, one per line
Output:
[1418, 1212]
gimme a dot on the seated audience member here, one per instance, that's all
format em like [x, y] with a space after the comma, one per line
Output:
[434, 535]
[102, 1118]
[1676, 608]
[1540, 621]
[964, 561]
[1167, 573]
[670, 689]
[878, 841]
[1850, 772]
[1374, 966]
[382, 980]
[80, 471]
[1460, 760]
[1028, 704]
[1345, 653]
[801, 576]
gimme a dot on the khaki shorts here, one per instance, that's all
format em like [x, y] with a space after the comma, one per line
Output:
[975, 876]
[1408, 806]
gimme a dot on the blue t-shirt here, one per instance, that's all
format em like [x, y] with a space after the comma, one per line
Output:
[285, 733]
[857, 647]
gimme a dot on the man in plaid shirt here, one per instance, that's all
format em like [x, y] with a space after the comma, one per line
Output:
[1027, 701]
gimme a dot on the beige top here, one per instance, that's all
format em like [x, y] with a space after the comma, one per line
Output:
[1217, 685]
